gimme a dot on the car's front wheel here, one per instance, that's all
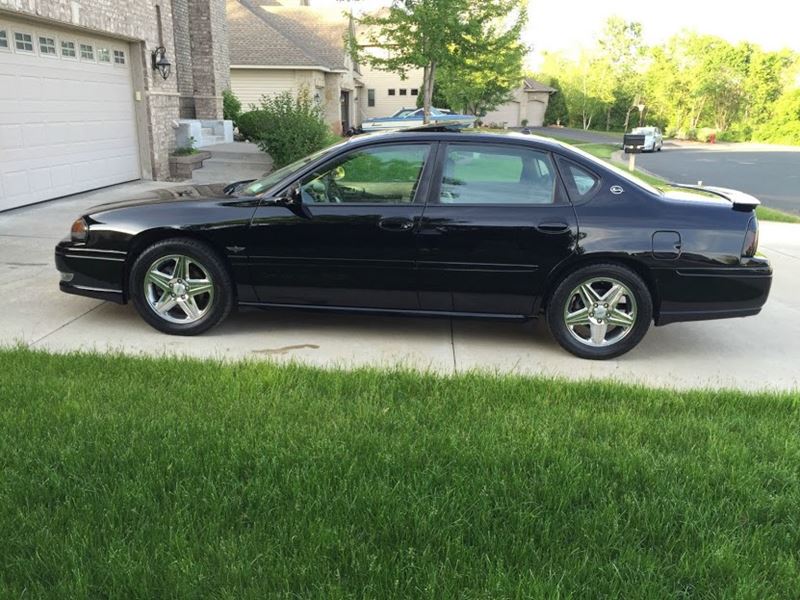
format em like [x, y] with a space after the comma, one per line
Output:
[600, 311]
[181, 287]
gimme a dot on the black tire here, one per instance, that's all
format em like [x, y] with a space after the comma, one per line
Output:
[217, 303]
[641, 306]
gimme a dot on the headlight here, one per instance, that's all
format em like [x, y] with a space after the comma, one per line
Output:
[79, 230]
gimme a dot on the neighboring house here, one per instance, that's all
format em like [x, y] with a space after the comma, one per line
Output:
[81, 106]
[387, 92]
[276, 47]
[528, 103]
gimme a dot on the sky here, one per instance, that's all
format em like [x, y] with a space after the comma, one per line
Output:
[570, 24]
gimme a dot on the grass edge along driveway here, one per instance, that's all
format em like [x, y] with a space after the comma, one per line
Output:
[142, 477]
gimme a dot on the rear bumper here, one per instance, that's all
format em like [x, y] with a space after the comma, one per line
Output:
[717, 293]
[90, 272]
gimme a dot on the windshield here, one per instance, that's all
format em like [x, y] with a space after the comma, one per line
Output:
[261, 185]
[403, 112]
[624, 174]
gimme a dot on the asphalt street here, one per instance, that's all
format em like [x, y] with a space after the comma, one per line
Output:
[771, 175]
[751, 353]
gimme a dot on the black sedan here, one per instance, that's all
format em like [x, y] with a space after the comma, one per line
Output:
[432, 223]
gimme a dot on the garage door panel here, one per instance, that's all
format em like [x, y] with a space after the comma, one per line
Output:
[66, 125]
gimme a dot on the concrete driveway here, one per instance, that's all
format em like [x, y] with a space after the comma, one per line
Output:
[757, 352]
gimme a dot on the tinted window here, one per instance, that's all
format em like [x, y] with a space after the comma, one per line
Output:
[388, 174]
[477, 174]
[581, 183]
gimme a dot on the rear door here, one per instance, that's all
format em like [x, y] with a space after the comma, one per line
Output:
[498, 220]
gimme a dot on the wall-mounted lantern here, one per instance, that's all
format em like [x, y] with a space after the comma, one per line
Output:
[161, 62]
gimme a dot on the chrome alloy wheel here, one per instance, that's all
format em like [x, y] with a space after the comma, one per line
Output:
[178, 289]
[600, 312]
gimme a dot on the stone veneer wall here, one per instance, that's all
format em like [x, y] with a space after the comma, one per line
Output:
[200, 69]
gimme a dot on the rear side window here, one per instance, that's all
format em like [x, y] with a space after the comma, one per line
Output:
[480, 174]
[581, 182]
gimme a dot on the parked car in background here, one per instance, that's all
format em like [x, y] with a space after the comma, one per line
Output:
[653, 140]
[413, 117]
[433, 223]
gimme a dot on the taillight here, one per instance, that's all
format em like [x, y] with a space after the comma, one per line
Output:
[751, 238]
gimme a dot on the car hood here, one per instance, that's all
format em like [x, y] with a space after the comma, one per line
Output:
[182, 193]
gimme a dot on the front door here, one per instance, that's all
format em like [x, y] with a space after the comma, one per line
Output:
[497, 222]
[344, 100]
[352, 244]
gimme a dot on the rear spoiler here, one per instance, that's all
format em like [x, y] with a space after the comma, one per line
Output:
[740, 200]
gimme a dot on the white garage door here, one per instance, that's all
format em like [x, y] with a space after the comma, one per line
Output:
[66, 114]
[507, 113]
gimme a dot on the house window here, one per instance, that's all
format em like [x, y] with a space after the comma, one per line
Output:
[414, 92]
[391, 91]
[370, 97]
[23, 41]
[3, 39]
[87, 52]
[119, 57]
[103, 55]
[68, 49]
[403, 91]
[47, 45]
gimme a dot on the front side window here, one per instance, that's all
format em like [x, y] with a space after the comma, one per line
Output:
[3, 39]
[103, 55]
[87, 52]
[23, 42]
[478, 174]
[47, 45]
[370, 97]
[388, 174]
[68, 49]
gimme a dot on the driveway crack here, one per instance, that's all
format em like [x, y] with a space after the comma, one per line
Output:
[453, 346]
[60, 327]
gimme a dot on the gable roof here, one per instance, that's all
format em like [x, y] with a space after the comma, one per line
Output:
[531, 85]
[270, 34]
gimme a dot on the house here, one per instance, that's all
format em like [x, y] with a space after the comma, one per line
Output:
[280, 46]
[528, 103]
[388, 92]
[83, 102]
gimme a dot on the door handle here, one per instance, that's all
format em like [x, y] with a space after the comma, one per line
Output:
[396, 224]
[553, 227]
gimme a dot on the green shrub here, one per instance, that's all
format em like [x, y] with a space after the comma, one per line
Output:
[251, 123]
[287, 127]
[231, 107]
[704, 134]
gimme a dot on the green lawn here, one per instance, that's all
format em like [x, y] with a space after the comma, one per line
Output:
[127, 478]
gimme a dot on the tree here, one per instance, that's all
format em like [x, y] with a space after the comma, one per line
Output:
[483, 74]
[437, 100]
[621, 47]
[429, 34]
[556, 112]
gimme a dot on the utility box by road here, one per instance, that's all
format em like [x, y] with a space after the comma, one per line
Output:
[633, 143]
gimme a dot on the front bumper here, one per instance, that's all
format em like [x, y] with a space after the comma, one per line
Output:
[715, 293]
[91, 272]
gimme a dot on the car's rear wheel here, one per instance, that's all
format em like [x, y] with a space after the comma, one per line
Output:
[600, 311]
[181, 287]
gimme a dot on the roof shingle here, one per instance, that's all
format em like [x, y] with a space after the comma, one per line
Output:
[276, 35]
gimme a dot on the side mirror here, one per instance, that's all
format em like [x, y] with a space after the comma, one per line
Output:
[291, 199]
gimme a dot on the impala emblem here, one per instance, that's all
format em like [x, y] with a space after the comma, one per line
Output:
[234, 249]
[616, 189]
